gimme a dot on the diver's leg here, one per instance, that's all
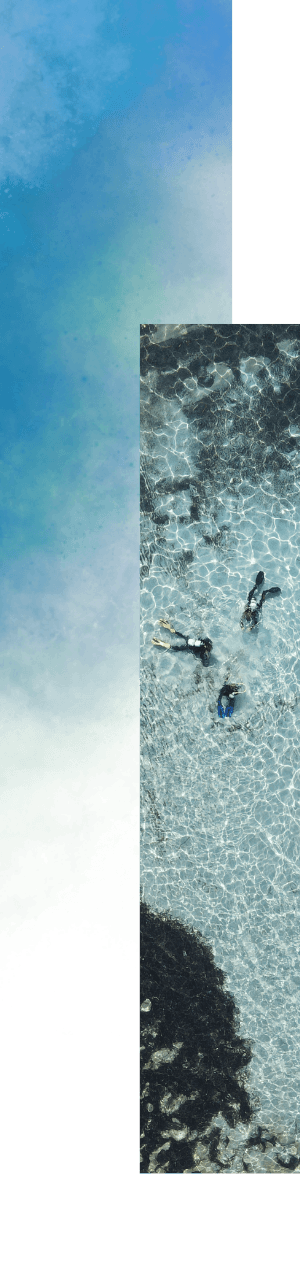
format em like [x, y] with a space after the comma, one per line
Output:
[258, 581]
[174, 647]
[167, 626]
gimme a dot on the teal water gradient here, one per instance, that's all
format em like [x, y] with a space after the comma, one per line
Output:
[114, 210]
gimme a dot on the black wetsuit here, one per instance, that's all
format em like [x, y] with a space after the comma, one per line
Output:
[230, 691]
[199, 647]
[252, 615]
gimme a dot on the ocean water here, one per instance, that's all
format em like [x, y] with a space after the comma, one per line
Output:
[220, 850]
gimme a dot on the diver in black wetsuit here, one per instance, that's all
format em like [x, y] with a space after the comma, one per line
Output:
[200, 647]
[229, 691]
[252, 611]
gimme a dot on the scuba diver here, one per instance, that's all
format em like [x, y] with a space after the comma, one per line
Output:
[200, 647]
[253, 608]
[228, 691]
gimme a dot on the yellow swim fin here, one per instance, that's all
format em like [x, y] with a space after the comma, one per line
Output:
[167, 624]
[159, 642]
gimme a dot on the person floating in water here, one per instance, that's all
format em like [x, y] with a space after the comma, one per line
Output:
[252, 611]
[228, 692]
[200, 647]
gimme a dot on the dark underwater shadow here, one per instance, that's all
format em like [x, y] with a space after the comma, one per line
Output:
[192, 1057]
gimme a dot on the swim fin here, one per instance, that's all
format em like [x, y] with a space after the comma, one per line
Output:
[259, 579]
[274, 590]
[160, 644]
[166, 624]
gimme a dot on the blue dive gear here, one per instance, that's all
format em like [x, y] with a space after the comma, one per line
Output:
[224, 713]
[229, 690]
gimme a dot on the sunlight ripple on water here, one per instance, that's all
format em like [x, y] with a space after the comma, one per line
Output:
[220, 798]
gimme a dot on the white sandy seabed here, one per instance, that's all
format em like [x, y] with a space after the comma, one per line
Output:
[220, 798]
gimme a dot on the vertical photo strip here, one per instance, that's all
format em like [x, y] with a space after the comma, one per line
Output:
[220, 710]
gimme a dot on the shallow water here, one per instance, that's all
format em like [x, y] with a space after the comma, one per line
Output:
[220, 798]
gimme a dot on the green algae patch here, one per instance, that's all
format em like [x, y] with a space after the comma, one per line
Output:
[103, 890]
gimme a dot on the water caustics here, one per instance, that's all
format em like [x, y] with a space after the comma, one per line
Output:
[220, 427]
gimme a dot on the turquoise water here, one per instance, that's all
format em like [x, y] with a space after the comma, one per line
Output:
[220, 798]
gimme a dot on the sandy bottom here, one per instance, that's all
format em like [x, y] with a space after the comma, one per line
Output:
[220, 798]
